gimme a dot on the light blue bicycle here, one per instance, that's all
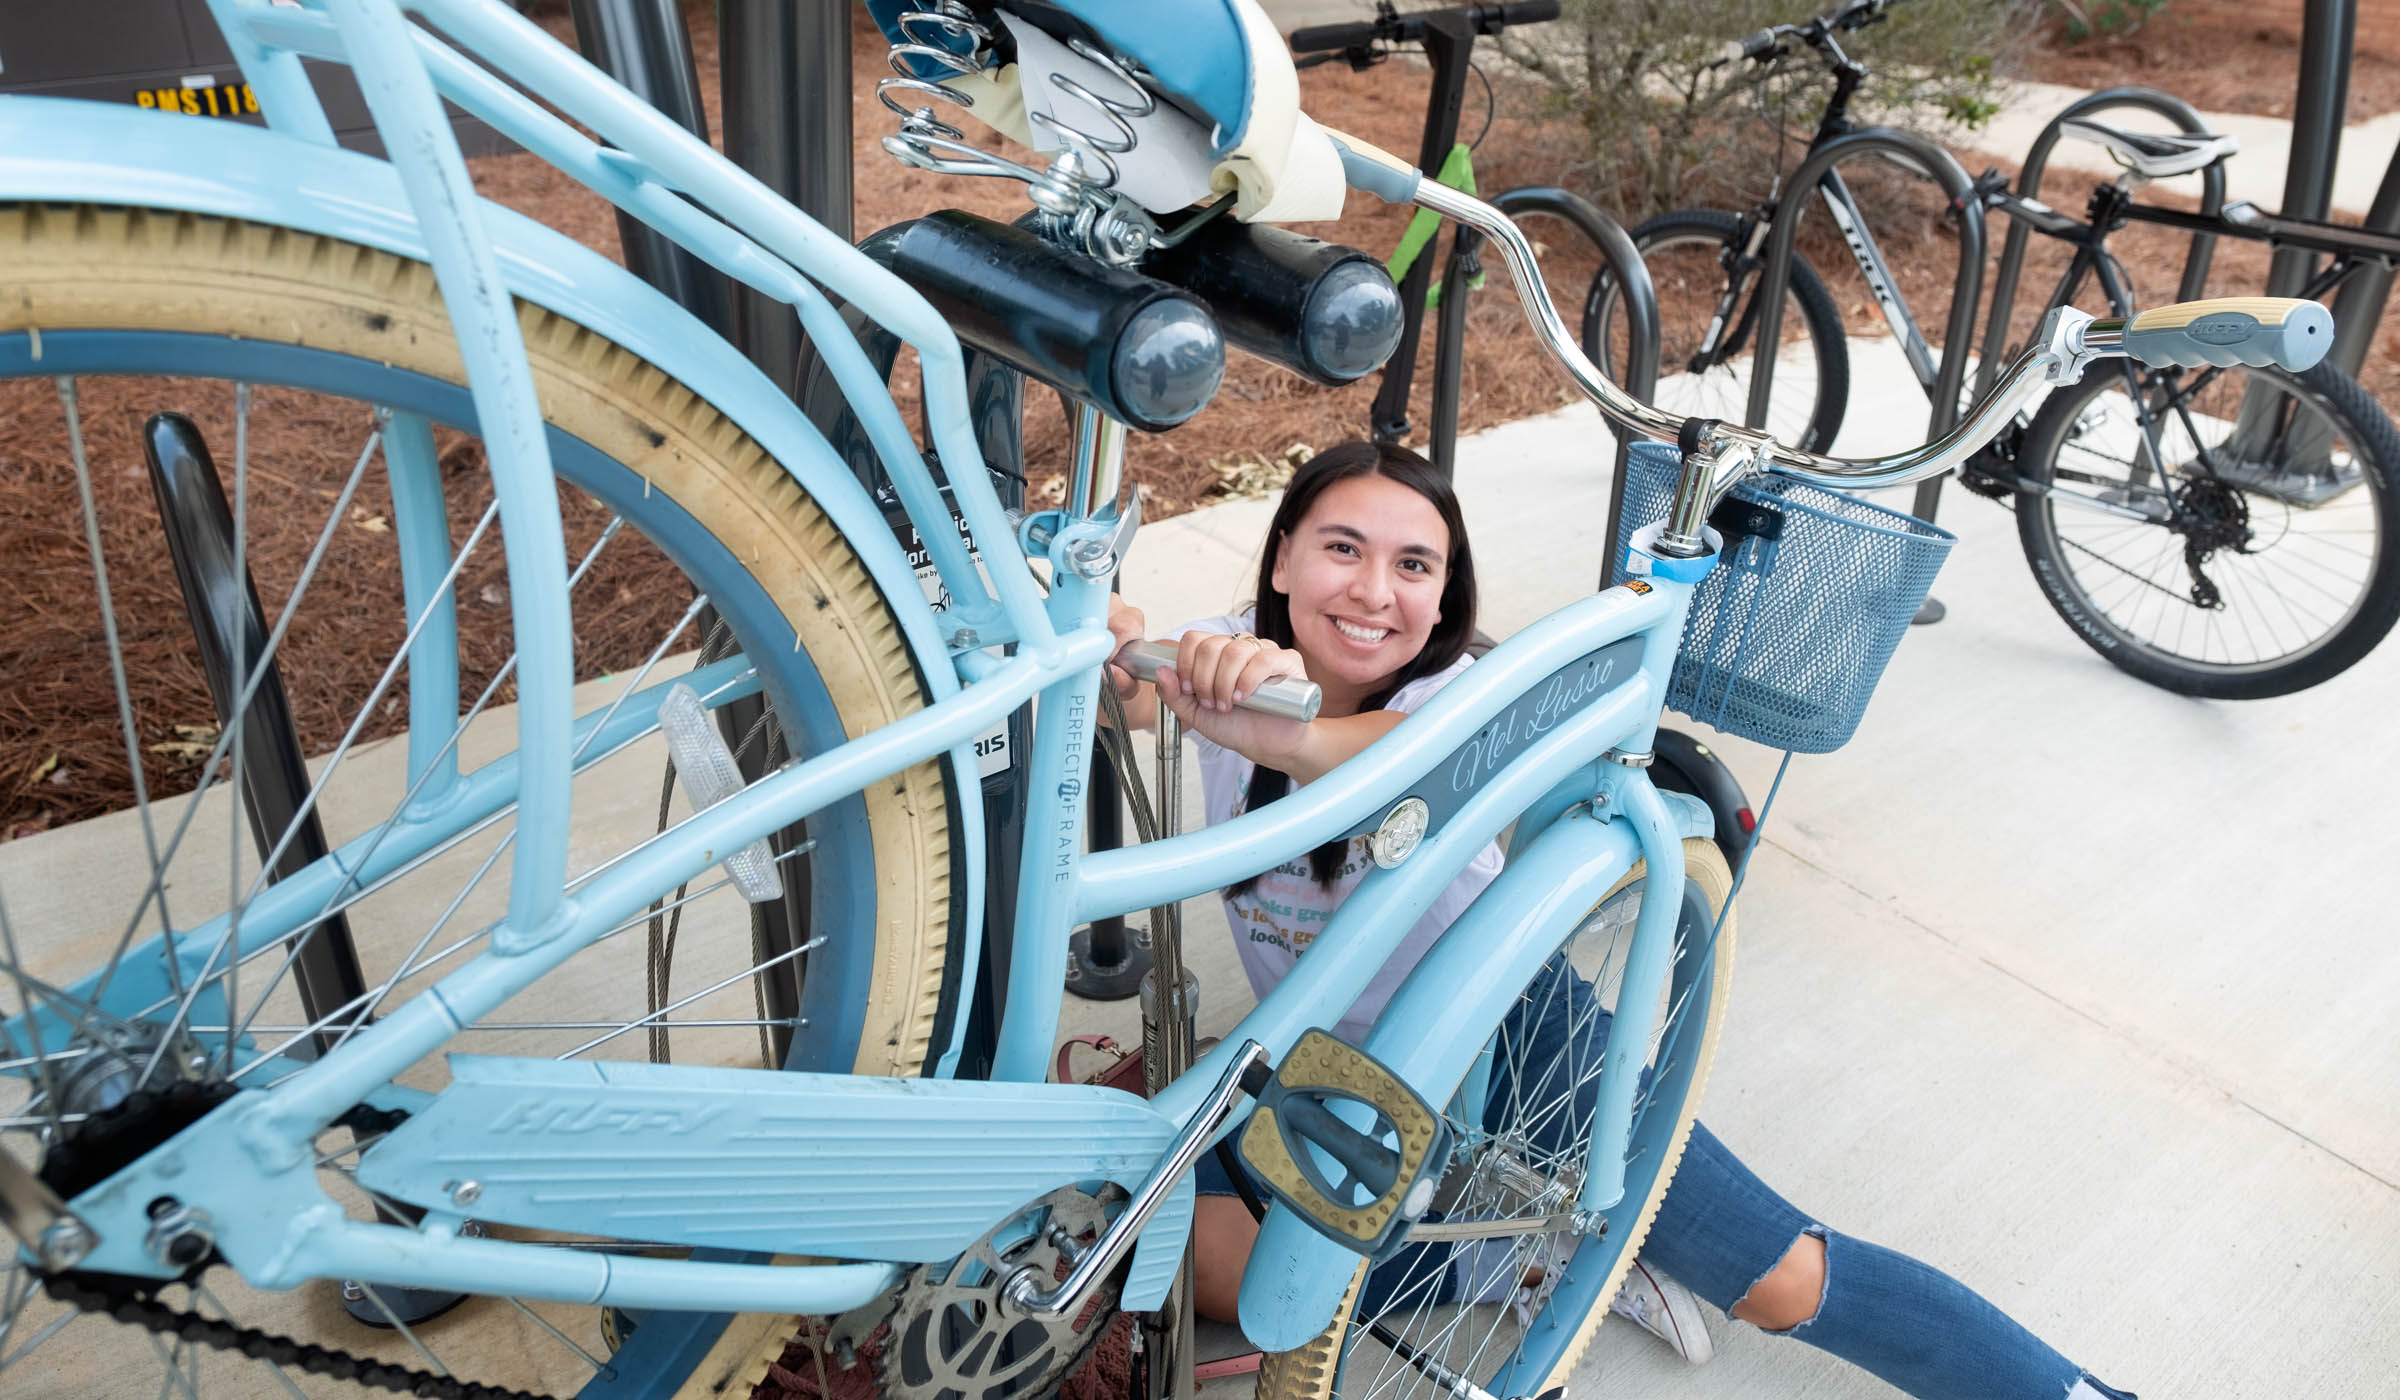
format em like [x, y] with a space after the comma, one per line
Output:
[532, 1096]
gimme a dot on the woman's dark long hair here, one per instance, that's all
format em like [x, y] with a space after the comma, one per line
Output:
[1443, 645]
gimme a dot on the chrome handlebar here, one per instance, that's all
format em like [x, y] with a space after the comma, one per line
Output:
[2294, 334]
[2068, 340]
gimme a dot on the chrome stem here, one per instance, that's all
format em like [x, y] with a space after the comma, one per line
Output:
[1099, 464]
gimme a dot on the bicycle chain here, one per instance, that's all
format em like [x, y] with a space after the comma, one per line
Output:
[122, 1300]
[104, 1146]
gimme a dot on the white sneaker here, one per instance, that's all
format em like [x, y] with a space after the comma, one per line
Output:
[1666, 1310]
[1509, 1271]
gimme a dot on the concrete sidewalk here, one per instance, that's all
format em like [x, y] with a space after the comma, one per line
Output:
[2074, 988]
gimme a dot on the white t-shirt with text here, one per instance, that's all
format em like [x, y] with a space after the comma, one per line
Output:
[1276, 919]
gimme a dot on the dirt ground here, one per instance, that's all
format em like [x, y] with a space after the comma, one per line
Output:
[2221, 56]
[63, 755]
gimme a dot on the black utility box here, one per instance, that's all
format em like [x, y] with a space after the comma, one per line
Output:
[168, 56]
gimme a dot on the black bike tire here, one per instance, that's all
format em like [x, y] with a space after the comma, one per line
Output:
[1826, 337]
[2373, 440]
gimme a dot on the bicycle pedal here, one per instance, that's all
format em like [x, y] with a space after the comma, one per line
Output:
[1307, 1124]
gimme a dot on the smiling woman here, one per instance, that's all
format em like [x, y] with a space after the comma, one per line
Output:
[1368, 589]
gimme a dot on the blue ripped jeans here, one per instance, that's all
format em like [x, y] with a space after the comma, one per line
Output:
[1720, 1230]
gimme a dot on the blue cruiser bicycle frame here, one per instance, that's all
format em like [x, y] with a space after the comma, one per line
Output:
[1525, 737]
[660, 173]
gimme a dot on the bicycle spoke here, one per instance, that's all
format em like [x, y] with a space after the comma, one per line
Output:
[49, 1329]
[403, 1328]
[335, 902]
[172, 1364]
[636, 921]
[595, 1363]
[47, 1084]
[290, 1387]
[20, 1291]
[68, 400]
[779, 958]
[241, 640]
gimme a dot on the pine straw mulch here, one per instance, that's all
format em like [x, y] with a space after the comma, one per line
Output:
[62, 750]
[63, 755]
[2218, 55]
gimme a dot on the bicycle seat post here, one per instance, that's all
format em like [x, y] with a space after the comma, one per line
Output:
[1170, 1006]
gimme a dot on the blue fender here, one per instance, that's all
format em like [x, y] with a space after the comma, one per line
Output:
[107, 153]
[1297, 1276]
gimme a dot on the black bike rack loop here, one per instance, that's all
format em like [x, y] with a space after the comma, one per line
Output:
[1448, 41]
[222, 602]
[1944, 170]
[2029, 184]
[1624, 263]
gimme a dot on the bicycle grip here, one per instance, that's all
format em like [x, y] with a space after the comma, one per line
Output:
[1320, 38]
[2277, 331]
[1283, 698]
[1751, 46]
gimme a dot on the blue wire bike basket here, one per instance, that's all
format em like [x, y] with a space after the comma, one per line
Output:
[1790, 633]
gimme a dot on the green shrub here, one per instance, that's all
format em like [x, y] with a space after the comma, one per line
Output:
[1663, 129]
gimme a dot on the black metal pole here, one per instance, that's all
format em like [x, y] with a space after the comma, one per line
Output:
[232, 630]
[2029, 186]
[2358, 306]
[642, 44]
[1450, 347]
[1966, 291]
[783, 73]
[1639, 376]
[784, 70]
[2327, 28]
[1448, 42]
[1105, 962]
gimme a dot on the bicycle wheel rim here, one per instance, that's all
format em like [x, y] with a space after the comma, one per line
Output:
[1688, 280]
[1484, 1341]
[800, 696]
[791, 674]
[2307, 592]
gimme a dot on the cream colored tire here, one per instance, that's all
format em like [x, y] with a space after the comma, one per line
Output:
[1316, 1371]
[88, 275]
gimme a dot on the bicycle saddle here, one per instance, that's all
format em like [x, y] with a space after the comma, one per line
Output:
[2150, 154]
[1230, 118]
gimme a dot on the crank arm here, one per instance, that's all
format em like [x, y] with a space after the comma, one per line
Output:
[1025, 1291]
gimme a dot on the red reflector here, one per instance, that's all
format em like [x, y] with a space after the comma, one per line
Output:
[1748, 821]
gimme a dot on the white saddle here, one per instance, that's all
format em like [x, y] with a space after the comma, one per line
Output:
[2150, 154]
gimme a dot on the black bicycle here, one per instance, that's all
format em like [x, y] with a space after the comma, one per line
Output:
[1447, 39]
[2223, 533]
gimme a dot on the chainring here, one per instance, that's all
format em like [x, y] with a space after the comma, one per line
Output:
[949, 1336]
